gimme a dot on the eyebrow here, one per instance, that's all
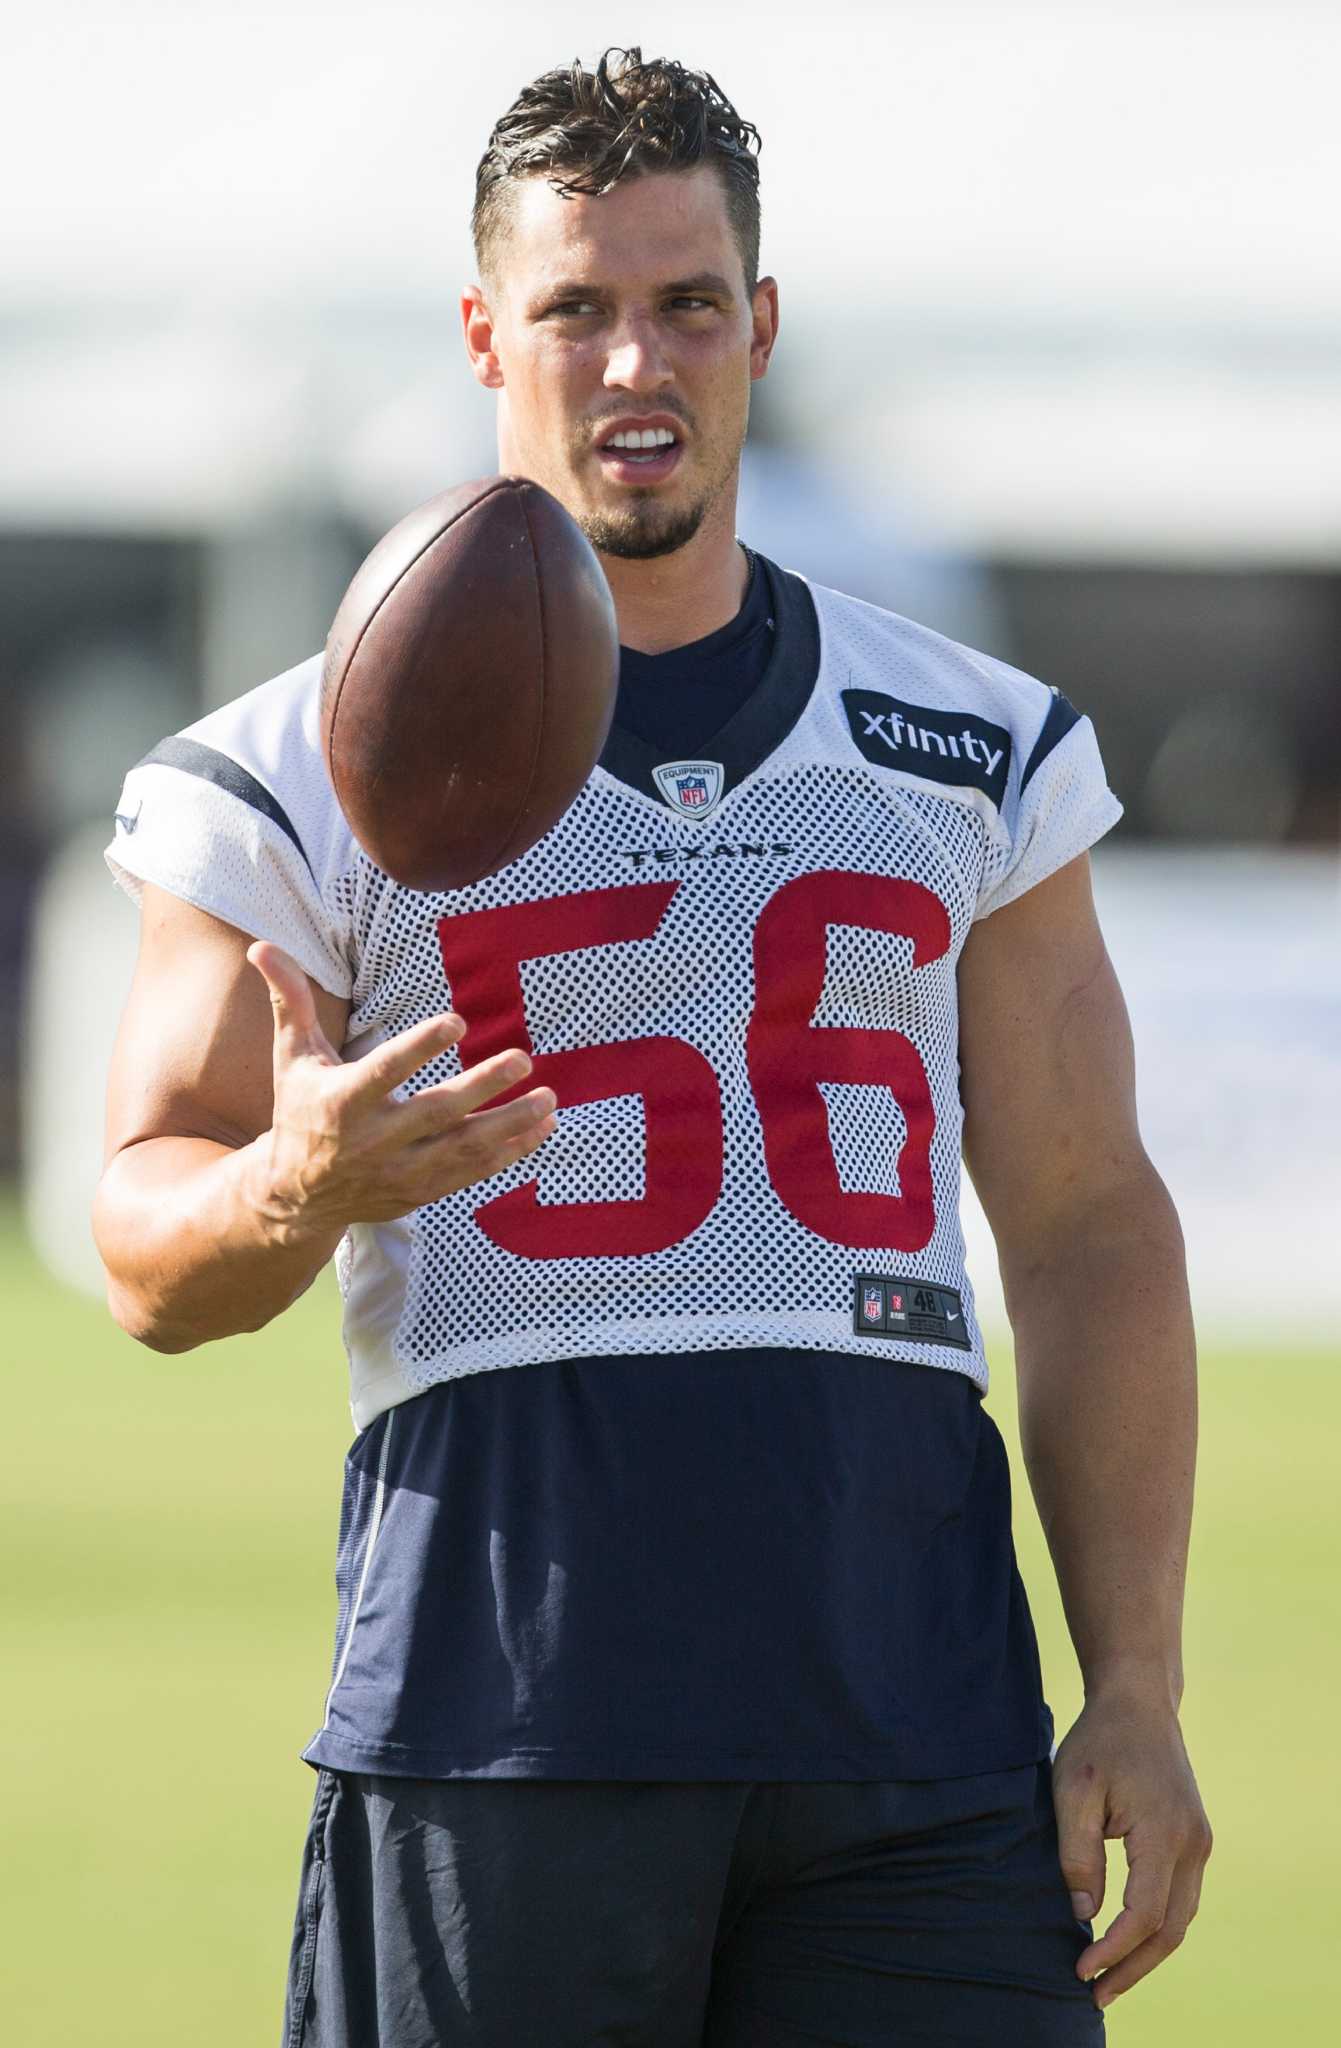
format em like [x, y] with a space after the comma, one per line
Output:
[708, 282]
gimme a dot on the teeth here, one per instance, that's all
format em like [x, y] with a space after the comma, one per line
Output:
[645, 437]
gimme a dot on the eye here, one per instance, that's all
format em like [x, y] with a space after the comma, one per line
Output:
[571, 309]
[684, 302]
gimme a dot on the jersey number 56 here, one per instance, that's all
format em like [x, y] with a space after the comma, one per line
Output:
[787, 1057]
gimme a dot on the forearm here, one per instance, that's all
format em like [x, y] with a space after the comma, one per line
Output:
[195, 1244]
[1106, 1372]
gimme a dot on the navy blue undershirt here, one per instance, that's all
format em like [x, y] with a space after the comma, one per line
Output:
[679, 699]
[750, 1565]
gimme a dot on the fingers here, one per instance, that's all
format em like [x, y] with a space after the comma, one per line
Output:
[385, 1068]
[436, 1109]
[494, 1138]
[297, 1031]
[290, 991]
[519, 1141]
[1079, 1801]
[1144, 1904]
[1184, 1896]
[1123, 1771]
[448, 1129]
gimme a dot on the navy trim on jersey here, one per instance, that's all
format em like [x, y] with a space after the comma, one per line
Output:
[768, 713]
[193, 757]
[1062, 715]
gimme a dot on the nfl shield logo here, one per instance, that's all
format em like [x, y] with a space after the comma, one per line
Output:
[872, 1305]
[693, 788]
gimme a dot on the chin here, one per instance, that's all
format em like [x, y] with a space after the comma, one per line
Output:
[642, 531]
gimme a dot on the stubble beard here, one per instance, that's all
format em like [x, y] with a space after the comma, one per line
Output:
[642, 530]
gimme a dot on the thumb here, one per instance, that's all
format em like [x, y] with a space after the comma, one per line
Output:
[1081, 1804]
[297, 1030]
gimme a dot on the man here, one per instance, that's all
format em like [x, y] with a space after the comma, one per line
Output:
[684, 1687]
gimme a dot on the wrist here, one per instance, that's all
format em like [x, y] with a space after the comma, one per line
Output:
[1152, 1681]
[285, 1215]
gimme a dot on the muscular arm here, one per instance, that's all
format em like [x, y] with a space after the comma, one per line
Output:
[1092, 1263]
[240, 1146]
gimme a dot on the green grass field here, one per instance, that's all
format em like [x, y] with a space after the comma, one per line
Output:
[169, 1548]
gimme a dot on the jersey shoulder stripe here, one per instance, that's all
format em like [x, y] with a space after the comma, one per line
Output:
[236, 816]
[929, 710]
[193, 757]
[1061, 716]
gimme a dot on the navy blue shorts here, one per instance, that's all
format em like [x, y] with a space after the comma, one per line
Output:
[549, 1914]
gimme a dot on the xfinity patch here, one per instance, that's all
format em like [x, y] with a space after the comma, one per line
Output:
[908, 1309]
[942, 746]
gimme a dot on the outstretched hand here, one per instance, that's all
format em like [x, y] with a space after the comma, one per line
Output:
[1123, 1772]
[343, 1149]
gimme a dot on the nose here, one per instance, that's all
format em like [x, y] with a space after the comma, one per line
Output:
[636, 361]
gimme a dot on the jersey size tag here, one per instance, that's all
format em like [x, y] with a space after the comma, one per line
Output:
[908, 1308]
[942, 746]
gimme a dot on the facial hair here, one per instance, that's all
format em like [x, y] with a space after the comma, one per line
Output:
[642, 528]
[641, 531]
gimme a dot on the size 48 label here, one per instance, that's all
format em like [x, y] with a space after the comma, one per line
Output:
[908, 1309]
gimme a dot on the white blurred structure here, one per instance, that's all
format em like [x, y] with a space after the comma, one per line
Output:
[1067, 273]
[69, 1030]
[1232, 973]
[1231, 967]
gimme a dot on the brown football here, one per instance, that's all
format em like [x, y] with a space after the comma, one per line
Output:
[469, 682]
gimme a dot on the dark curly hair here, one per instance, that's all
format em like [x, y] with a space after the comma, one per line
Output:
[585, 130]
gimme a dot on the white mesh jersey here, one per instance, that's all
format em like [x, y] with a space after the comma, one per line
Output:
[737, 973]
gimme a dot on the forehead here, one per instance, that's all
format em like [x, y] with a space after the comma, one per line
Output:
[647, 229]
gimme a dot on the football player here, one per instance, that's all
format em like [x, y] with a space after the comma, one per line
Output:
[684, 1688]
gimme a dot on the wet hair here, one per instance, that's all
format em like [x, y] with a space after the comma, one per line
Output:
[585, 130]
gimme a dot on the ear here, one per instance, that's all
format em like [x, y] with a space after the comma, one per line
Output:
[477, 324]
[765, 317]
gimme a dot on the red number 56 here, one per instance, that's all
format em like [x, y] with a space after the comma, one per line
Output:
[787, 1057]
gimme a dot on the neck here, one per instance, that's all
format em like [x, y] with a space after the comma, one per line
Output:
[673, 599]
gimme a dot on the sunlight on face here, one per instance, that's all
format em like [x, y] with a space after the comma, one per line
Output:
[627, 316]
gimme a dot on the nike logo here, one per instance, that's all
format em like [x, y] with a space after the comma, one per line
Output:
[129, 824]
[952, 1317]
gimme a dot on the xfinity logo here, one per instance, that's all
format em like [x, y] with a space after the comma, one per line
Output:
[942, 746]
[895, 731]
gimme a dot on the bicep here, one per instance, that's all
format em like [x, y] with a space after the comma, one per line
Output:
[1047, 1071]
[193, 1051]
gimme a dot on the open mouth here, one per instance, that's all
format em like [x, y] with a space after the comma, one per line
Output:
[633, 453]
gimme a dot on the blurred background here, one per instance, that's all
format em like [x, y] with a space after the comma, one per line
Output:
[1060, 375]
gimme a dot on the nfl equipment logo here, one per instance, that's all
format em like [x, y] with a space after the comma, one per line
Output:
[693, 788]
[872, 1305]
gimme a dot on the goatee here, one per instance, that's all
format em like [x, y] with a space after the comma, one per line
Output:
[642, 531]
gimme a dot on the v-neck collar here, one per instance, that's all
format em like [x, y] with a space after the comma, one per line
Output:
[763, 720]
